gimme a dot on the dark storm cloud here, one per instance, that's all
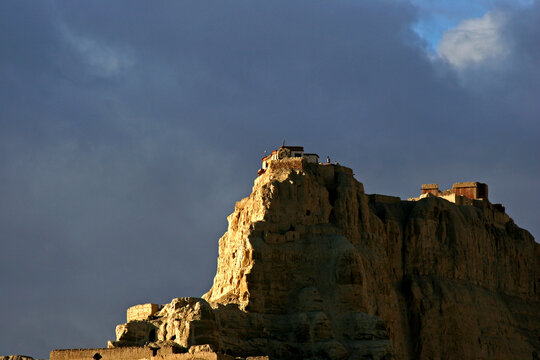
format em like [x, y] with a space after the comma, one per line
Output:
[127, 132]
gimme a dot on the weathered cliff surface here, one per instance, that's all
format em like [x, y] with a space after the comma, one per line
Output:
[312, 267]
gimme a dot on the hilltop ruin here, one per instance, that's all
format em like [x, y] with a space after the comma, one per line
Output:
[312, 267]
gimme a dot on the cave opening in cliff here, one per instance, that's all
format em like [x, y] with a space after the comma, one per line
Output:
[152, 335]
[332, 195]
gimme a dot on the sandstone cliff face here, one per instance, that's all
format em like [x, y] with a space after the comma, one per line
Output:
[312, 267]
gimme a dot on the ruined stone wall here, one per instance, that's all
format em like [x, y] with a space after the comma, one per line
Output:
[134, 353]
[463, 193]
[288, 163]
[470, 192]
[125, 353]
[141, 312]
[430, 189]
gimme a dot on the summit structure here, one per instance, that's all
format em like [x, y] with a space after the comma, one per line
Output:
[312, 267]
[285, 152]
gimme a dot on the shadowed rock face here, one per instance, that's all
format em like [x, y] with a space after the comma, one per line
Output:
[312, 267]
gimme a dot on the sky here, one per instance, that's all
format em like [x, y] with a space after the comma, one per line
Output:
[128, 130]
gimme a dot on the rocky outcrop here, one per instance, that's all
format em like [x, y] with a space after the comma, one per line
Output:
[312, 267]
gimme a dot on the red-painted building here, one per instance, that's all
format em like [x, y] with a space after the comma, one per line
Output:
[472, 190]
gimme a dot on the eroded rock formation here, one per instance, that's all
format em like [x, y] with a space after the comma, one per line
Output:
[312, 267]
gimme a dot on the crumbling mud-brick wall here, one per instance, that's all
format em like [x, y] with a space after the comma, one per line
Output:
[289, 163]
[136, 353]
[125, 353]
[430, 189]
[141, 312]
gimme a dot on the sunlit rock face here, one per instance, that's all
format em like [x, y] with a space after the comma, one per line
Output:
[312, 267]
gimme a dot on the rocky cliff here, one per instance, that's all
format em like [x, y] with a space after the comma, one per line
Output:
[312, 267]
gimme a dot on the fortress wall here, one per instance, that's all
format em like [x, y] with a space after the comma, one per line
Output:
[124, 353]
[141, 312]
[469, 192]
[288, 163]
[133, 353]
[430, 188]
[472, 190]
[459, 199]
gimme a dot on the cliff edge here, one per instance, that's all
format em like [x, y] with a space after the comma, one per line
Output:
[312, 267]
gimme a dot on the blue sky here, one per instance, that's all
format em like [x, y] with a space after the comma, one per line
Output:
[435, 17]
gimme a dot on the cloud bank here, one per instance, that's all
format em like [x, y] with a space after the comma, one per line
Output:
[475, 41]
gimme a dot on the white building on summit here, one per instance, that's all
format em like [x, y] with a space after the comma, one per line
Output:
[287, 151]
